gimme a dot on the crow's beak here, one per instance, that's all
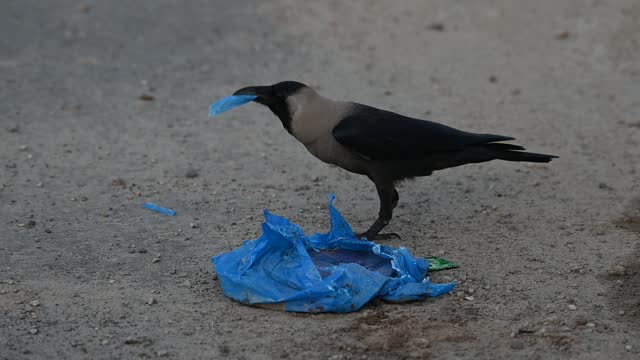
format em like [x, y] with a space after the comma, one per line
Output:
[259, 91]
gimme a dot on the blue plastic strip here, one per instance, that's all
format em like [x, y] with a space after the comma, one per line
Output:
[159, 209]
[229, 103]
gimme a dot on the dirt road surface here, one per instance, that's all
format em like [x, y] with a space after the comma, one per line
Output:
[103, 106]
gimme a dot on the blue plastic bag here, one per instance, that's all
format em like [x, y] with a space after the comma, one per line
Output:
[229, 103]
[333, 272]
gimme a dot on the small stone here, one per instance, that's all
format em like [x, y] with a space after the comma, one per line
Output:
[39, 184]
[471, 291]
[470, 298]
[147, 97]
[436, 26]
[572, 307]
[193, 225]
[628, 347]
[191, 173]
[518, 345]
[142, 251]
[29, 156]
[563, 35]
[151, 301]
[161, 353]
[604, 186]
[85, 8]
[23, 148]
[155, 260]
[112, 281]
[34, 303]
[30, 224]
[118, 182]
[33, 331]
[617, 270]
[104, 342]
[591, 325]
[621, 312]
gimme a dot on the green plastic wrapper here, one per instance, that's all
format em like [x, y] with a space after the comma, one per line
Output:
[437, 264]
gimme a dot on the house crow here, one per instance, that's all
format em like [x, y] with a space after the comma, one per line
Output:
[382, 145]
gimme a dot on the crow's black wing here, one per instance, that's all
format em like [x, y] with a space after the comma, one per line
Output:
[384, 135]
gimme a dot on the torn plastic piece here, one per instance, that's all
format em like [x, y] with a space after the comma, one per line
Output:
[437, 264]
[333, 272]
[229, 103]
[159, 209]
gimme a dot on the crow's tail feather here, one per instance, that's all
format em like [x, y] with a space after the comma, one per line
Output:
[511, 152]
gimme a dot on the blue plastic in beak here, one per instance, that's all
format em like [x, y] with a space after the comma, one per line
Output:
[229, 103]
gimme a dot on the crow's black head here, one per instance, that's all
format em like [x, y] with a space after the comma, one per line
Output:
[275, 98]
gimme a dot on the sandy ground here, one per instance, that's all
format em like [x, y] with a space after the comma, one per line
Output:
[80, 151]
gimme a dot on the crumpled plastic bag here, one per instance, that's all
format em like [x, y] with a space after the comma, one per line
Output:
[333, 272]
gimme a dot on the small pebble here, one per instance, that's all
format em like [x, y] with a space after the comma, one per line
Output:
[572, 307]
[161, 353]
[29, 156]
[621, 312]
[518, 345]
[604, 186]
[151, 301]
[33, 331]
[617, 270]
[470, 298]
[142, 251]
[563, 35]
[34, 303]
[112, 281]
[436, 26]
[628, 347]
[39, 184]
[193, 225]
[155, 260]
[118, 182]
[23, 148]
[191, 173]
[104, 342]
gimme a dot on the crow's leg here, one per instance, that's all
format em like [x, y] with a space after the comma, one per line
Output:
[388, 200]
[396, 198]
